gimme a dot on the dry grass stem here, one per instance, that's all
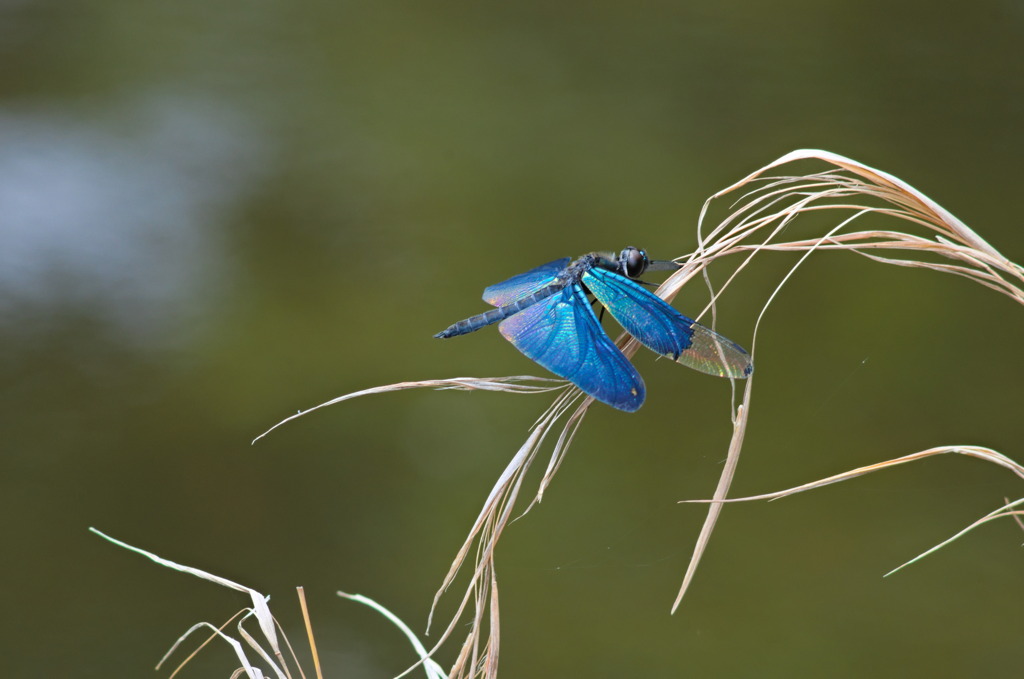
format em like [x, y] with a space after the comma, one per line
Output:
[772, 204]
[219, 633]
[522, 384]
[987, 454]
[301, 591]
[978, 452]
[432, 669]
[1006, 510]
[278, 667]
[260, 610]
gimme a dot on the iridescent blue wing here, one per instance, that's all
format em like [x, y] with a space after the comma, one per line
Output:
[524, 284]
[662, 329]
[563, 335]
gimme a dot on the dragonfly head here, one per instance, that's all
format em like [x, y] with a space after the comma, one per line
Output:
[633, 262]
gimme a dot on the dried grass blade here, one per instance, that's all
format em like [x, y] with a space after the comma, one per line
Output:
[197, 649]
[259, 603]
[514, 467]
[515, 384]
[565, 439]
[280, 670]
[491, 666]
[979, 452]
[485, 533]
[1016, 515]
[252, 672]
[433, 670]
[1000, 513]
[724, 482]
[301, 593]
[877, 177]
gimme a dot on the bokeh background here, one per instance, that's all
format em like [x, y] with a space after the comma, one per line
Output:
[215, 213]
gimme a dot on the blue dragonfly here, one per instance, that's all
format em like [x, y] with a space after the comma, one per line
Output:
[547, 314]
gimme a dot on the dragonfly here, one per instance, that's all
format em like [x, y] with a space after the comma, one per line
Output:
[547, 314]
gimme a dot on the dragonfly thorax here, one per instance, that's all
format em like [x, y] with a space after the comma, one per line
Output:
[631, 263]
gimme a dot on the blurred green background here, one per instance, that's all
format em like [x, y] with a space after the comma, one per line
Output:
[213, 214]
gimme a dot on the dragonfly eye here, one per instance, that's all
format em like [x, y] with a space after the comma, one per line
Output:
[633, 262]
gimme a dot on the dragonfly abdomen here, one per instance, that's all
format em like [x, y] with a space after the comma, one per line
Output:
[474, 323]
